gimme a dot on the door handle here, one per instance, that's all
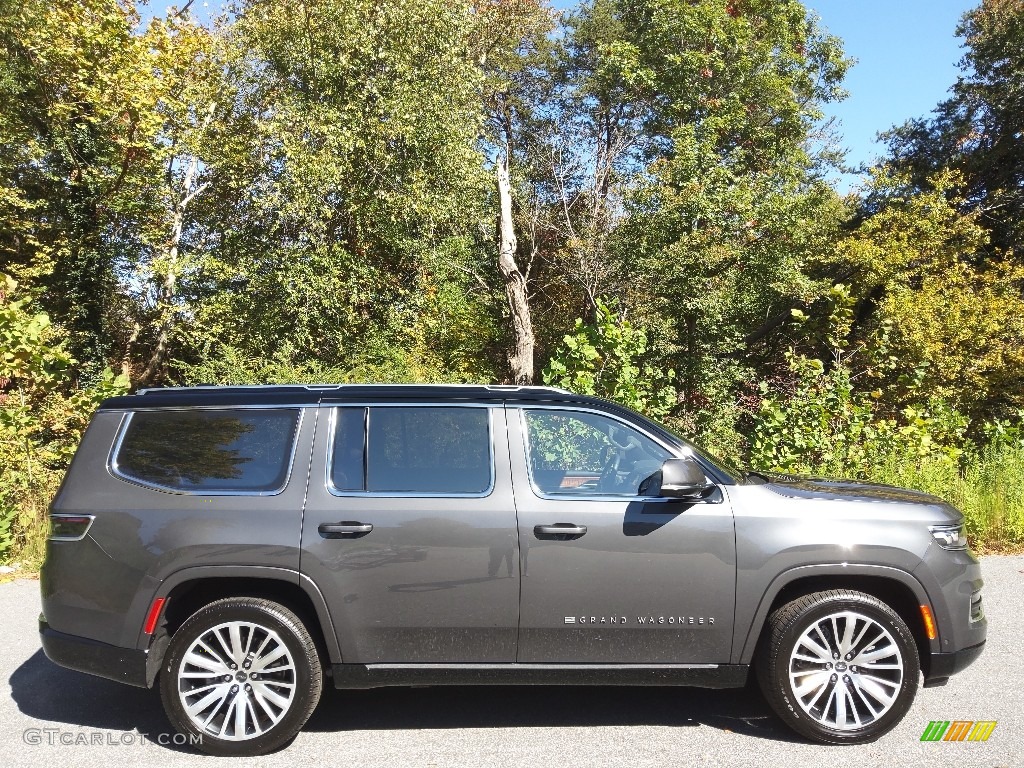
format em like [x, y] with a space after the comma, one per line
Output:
[344, 530]
[560, 529]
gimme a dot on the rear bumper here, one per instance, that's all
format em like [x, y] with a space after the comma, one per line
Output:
[124, 665]
[942, 665]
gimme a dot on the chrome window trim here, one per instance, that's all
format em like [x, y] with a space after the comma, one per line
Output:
[404, 494]
[115, 450]
[673, 451]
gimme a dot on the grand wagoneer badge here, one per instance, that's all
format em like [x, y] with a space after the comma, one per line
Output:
[644, 620]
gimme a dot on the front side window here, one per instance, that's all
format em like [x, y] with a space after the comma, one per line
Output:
[418, 449]
[578, 453]
[209, 451]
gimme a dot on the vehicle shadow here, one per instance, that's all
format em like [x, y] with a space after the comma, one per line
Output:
[44, 691]
[741, 710]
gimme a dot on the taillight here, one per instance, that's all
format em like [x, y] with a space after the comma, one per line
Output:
[69, 527]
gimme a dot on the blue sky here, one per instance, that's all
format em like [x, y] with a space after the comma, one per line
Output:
[907, 58]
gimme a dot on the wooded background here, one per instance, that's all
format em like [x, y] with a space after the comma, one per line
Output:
[631, 200]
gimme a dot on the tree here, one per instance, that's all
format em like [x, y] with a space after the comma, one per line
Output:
[76, 136]
[977, 130]
[346, 189]
[953, 320]
[505, 41]
[725, 229]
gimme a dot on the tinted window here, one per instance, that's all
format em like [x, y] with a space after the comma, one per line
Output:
[581, 453]
[209, 450]
[347, 455]
[413, 450]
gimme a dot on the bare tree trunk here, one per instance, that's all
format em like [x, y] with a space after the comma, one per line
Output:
[521, 356]
[168, 286]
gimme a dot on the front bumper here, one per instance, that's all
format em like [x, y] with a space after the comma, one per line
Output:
[124, 665]
[942, 665]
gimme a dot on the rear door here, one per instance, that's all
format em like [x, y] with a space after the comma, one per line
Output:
[410, 532]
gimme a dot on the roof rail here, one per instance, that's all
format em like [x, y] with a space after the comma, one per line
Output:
[317, 387]
[526, 387]
[311, 387]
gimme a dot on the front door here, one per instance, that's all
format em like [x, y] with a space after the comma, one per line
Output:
[410, 532]
[610, 575]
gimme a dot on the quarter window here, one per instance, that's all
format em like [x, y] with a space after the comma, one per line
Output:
[420, 449]
[578, 453]
[204, 451]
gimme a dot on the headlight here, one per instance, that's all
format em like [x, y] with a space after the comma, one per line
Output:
[949, 536]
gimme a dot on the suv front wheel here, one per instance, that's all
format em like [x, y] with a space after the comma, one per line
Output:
[839, 667]
[242, 674]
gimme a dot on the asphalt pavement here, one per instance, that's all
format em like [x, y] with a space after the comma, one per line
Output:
[50, 716]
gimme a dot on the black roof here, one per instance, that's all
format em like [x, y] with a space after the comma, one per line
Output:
[312, 394]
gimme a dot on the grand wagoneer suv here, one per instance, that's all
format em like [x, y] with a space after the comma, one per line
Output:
[242, 547]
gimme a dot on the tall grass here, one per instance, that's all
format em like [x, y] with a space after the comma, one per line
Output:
[986, 485]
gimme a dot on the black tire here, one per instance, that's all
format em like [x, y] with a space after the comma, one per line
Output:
[270, 697]
[796, 679]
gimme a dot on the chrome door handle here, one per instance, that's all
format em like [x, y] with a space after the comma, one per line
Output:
[343, 530]
[560, 529]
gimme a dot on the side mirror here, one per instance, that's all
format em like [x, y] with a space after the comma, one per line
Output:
[683, 479]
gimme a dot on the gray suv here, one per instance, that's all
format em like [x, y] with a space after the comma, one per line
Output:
[241, 546]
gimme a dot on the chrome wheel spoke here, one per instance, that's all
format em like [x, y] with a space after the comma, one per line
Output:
[818, 683]
[821, 651]
[216, 695]
[209, 665]
[878, 653]
[860, 692]
[261, 662]
[271, 695]
[235, 635]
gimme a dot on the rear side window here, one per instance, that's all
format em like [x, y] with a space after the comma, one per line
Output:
[209, 451]
[421, 449]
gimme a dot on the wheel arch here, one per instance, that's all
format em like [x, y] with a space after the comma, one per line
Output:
[897, 588]
[190, 589]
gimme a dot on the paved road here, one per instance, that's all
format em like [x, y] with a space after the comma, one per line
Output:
[109, 724]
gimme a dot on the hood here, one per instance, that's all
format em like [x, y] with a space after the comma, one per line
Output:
[851, 490]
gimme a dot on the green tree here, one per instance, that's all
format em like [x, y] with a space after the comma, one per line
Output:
[76, 134]
[724, 230]
[914, 265]
[977, 130]
[350, 177]
[608, 359]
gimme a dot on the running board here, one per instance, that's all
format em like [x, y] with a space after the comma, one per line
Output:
[695, 675]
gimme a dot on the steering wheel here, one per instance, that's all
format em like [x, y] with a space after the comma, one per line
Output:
[609, 480]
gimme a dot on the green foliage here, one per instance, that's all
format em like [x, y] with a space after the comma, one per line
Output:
[41, 418]
[608, 359]
[824, 427]
[977, 130]
[952, 316]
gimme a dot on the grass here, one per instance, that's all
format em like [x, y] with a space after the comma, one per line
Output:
[988, 487]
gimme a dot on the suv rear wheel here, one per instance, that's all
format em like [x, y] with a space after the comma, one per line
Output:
[839, 667]
[243, 674]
